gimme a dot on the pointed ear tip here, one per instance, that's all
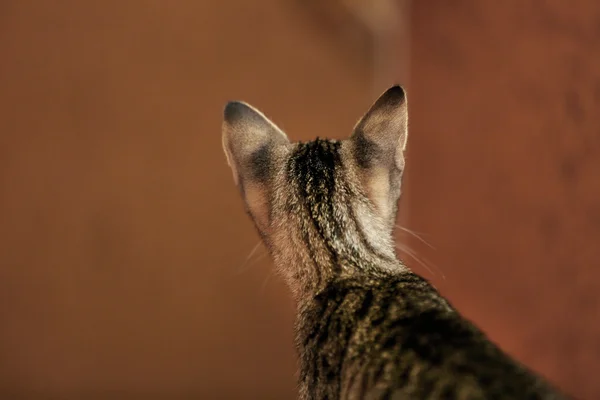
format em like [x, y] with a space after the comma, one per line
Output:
[234, 110]
[396, 92]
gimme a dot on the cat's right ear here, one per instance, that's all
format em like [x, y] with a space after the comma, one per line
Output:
[378, 144]
[248, 140]
[380, 135]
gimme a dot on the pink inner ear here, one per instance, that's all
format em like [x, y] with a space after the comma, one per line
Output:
[256, 200]
[377, 186]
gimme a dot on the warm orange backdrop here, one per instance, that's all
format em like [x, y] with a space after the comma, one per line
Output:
[122, 235]
[504, 173]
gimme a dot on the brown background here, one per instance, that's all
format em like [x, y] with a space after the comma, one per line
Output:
[504, 173]
[123, 240]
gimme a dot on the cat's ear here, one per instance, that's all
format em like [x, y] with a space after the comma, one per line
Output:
[380, 135]
[378, 143]
[248, 140]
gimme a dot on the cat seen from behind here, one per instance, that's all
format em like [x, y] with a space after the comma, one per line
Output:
[366, 326]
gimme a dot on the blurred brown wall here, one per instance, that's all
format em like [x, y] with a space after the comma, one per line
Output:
[122, 235]
[504, 173]
[121, 232]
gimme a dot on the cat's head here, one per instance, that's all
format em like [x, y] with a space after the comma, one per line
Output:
[323, 208]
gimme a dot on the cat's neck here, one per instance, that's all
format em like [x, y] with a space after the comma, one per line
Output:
[315, 271]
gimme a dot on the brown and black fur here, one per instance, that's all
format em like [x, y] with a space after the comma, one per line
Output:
[367, 327]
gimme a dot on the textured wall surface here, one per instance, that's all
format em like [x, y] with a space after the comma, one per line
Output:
[504, 173]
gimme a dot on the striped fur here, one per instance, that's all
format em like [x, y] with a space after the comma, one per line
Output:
[367, 327]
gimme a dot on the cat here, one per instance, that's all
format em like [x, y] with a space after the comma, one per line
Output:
[366, 326]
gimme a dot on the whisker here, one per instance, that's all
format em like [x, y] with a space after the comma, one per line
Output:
[424, 263]
[246, 265]
[264, 284]
[250, 264]
[415, 235]
[411, 254]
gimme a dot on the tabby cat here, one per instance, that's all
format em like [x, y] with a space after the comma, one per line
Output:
[367, 327]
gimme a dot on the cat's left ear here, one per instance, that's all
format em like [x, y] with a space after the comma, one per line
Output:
[248, 140]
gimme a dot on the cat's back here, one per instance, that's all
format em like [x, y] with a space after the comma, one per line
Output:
[394, 337]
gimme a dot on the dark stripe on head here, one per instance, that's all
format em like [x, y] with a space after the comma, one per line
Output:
[313, 168]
